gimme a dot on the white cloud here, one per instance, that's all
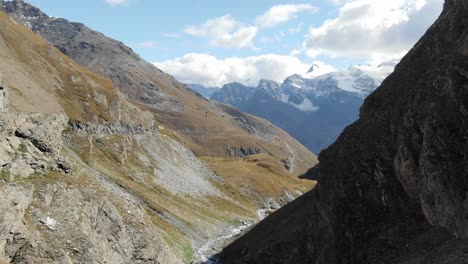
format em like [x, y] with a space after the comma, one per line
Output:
[373, 29]
[295, 52]
[211, 71]
[282, 13]
[225, 32]
[296, 29]
[306, 106]
[117, 2]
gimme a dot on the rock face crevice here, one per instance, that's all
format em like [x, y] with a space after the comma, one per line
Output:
[392, 188]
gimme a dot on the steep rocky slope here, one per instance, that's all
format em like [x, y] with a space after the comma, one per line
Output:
[87, 176]
[392, 189]
[54, 210]
[208, 129]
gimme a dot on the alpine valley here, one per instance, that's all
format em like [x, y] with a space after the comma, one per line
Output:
[106, 159]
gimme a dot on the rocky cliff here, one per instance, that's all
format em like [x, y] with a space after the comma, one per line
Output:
[392, 188]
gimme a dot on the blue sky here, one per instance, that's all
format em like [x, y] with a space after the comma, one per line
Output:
[215, 42]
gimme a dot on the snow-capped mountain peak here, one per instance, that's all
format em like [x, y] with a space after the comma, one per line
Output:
[357, 79]
[319, 87]
[317, 69]
[313, 68]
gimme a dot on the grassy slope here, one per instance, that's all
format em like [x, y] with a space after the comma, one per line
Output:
[42, 79]
[210, 133]
[260, 174]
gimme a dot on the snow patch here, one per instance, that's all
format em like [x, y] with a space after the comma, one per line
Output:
[349, 80]
[50, 223]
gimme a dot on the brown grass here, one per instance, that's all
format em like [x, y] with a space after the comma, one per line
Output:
[259, 174]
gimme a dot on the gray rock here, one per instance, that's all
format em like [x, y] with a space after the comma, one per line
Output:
[240, 152]
[110, 128]
[3, 96]
[31, 143]
[96, 231]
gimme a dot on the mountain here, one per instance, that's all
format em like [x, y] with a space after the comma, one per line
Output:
[270, 87]
[207, 128]
[359, 80]
[392, 188]
[119, 162]
[207, 92]
[234, 94]
[312, 107]
[55, 206]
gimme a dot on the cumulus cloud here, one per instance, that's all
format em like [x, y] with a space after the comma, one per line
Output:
[211, 71]
[117, 2]
[373, 29]
[225, 32]
[282, 13]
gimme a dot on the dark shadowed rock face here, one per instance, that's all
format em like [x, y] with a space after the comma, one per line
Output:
[393, 187]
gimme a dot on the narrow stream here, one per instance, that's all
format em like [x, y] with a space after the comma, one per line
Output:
[207, 252]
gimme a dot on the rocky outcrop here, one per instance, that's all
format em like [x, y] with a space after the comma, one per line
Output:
[240, 152]
[60, 223]
[110, 128]
[392, 188]
[31, 144]
[47, 217]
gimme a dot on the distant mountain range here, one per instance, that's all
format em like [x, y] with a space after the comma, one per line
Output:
[313, 107]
